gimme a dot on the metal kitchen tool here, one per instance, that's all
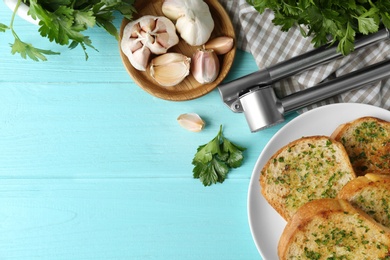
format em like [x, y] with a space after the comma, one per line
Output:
[262, 108]
[254, 95]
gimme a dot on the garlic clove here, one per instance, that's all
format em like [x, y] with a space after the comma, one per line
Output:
[134, 46]
[193, 19]
[170, 75]
[147, 23]
[169, 58]
[205, 66]
[163, 36]
[170, 69]
[220, 45]
[155, 33]
[191, 121]
[173, 9]
[140, 59]
[162, 39]
[135, 30]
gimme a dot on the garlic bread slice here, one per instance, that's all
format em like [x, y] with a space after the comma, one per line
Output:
[306, 169]
[333, 229]
[367, 142]
[370, 193]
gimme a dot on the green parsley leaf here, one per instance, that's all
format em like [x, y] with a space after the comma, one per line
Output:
[206, 152]
[64, 22]
[366, 24]
[3, 27]
[213, 160]
[27, 50]
[386, 19]
[339, 21]
[84, 18]
[235, 153]
[206, 174]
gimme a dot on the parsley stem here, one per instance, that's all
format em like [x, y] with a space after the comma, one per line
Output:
[219, 136]
[11, 25]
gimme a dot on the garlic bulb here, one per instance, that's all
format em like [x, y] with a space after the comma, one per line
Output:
[205, 66]
[193, 19]
[220, 45]
[147, 35]
[191, 121]
[170, 68]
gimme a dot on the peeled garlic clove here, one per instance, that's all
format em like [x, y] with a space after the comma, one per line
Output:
[193, 19]
[220, 45]
[146, 35]
[170, 69]
[205, 66]
[140, 59]
[191, 121]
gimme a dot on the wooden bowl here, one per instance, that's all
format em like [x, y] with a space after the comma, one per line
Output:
[189, 88]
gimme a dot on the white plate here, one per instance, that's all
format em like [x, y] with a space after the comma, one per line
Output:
[265, 223]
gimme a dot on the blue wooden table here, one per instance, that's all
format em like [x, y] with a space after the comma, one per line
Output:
[93, 167]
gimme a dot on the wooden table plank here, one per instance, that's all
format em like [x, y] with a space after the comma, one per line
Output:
[58, 131]
[123, 219]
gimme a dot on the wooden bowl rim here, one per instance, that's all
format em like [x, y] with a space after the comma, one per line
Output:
[188, 89]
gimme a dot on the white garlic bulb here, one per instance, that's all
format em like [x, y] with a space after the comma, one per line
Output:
[146, 35]
[193, 19]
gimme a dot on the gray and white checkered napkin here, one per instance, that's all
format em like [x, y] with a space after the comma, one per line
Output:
[269, 45]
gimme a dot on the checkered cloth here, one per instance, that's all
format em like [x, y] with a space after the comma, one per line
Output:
[269, 45]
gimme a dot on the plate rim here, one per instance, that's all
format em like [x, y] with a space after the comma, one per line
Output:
[358, 107]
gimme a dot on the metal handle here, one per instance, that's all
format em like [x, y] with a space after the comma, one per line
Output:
[231, 91]
[337, 86]
[320, 55]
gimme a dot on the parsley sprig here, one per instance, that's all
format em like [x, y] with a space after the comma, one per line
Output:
[338, 20]
[64, 22]
[213, 160]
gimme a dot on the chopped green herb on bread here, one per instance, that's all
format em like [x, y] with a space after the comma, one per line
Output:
[306, 169]
[333, 229]
[370, 193]
[367, 142]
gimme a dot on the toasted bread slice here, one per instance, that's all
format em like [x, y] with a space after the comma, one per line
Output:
[367, 141]
[333, 229]
[306, 169]
[370, 193]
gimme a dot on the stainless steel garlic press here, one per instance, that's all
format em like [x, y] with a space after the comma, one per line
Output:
[254, 95]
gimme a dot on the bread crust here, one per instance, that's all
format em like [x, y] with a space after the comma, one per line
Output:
[367, 142]
[361, 182]
[313, 170]
[370, 193]
[328, 211]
